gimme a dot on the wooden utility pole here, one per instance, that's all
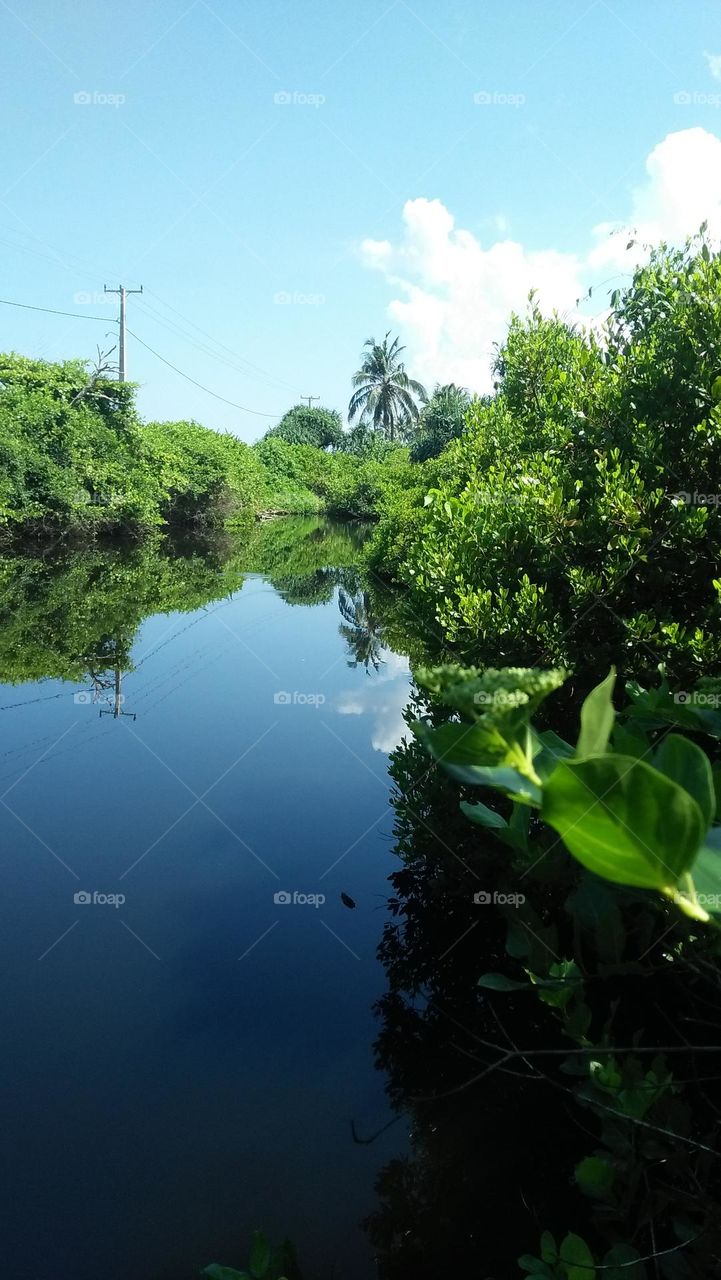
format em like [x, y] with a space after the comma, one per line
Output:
[121, 342]
[309, 398]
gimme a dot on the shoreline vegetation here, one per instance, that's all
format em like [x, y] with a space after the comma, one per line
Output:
[572, 509]
[556, 548]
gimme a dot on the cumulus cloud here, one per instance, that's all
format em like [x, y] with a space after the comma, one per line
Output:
[681, 190]
[453, 296]
[714, 64]
[383, 700]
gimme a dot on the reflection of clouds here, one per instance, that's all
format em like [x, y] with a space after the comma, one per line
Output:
[384, 699]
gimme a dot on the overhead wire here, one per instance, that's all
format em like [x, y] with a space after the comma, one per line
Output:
[234, 405]
[256, 368]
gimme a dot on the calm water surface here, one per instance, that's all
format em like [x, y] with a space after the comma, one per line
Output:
[184, 1067]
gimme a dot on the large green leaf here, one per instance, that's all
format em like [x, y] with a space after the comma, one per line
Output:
[478, 756]
[597, 718]
[624, 820]
[577, 1258]
[684, 762]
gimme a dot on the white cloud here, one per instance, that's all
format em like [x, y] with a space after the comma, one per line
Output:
[383, 699]
[453, 297]
[682, 189]
[456, 296]
[714, 64]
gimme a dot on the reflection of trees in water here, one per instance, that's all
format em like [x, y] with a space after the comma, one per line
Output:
[361, 629]
[75, 615]
[440, 1209]
[492, 1165]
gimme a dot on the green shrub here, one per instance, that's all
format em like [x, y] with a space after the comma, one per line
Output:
[205, 477]
[568, 514]
[305, 424]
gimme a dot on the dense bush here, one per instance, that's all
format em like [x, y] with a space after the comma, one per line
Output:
[205, 477]
[303, 479]
[441, 421]
[293, 474]
[71, 450]
[304, 424]
[578, 506]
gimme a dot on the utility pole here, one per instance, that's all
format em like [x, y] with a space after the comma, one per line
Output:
[121, 342]
[309, 398]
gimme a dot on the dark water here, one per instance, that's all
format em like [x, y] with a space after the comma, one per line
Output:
[183, 1066]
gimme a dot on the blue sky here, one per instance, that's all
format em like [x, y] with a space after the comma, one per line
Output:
[432, 162]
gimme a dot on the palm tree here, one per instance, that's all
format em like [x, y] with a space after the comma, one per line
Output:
[384, 394]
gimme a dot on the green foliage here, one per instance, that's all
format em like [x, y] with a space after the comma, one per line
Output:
[573, 1260]
[266, 1263]
[441, 421]
[384, 396]
[634, 821]
[206, 477]
[71, 450]
[306, 424]
[75, 613]
[574, 509]
[293, 472]
[301, 478]
[363, 442]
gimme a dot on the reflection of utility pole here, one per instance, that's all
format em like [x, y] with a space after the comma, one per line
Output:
[117, 707]
[121, 344]
[309, 398]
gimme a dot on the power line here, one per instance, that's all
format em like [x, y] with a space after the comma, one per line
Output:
[232, 403]
[255, 367]
[250, 372]
[76, 315]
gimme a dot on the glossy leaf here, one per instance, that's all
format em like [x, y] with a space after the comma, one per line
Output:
[681, 760]
[624, 820]
[597, 718]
